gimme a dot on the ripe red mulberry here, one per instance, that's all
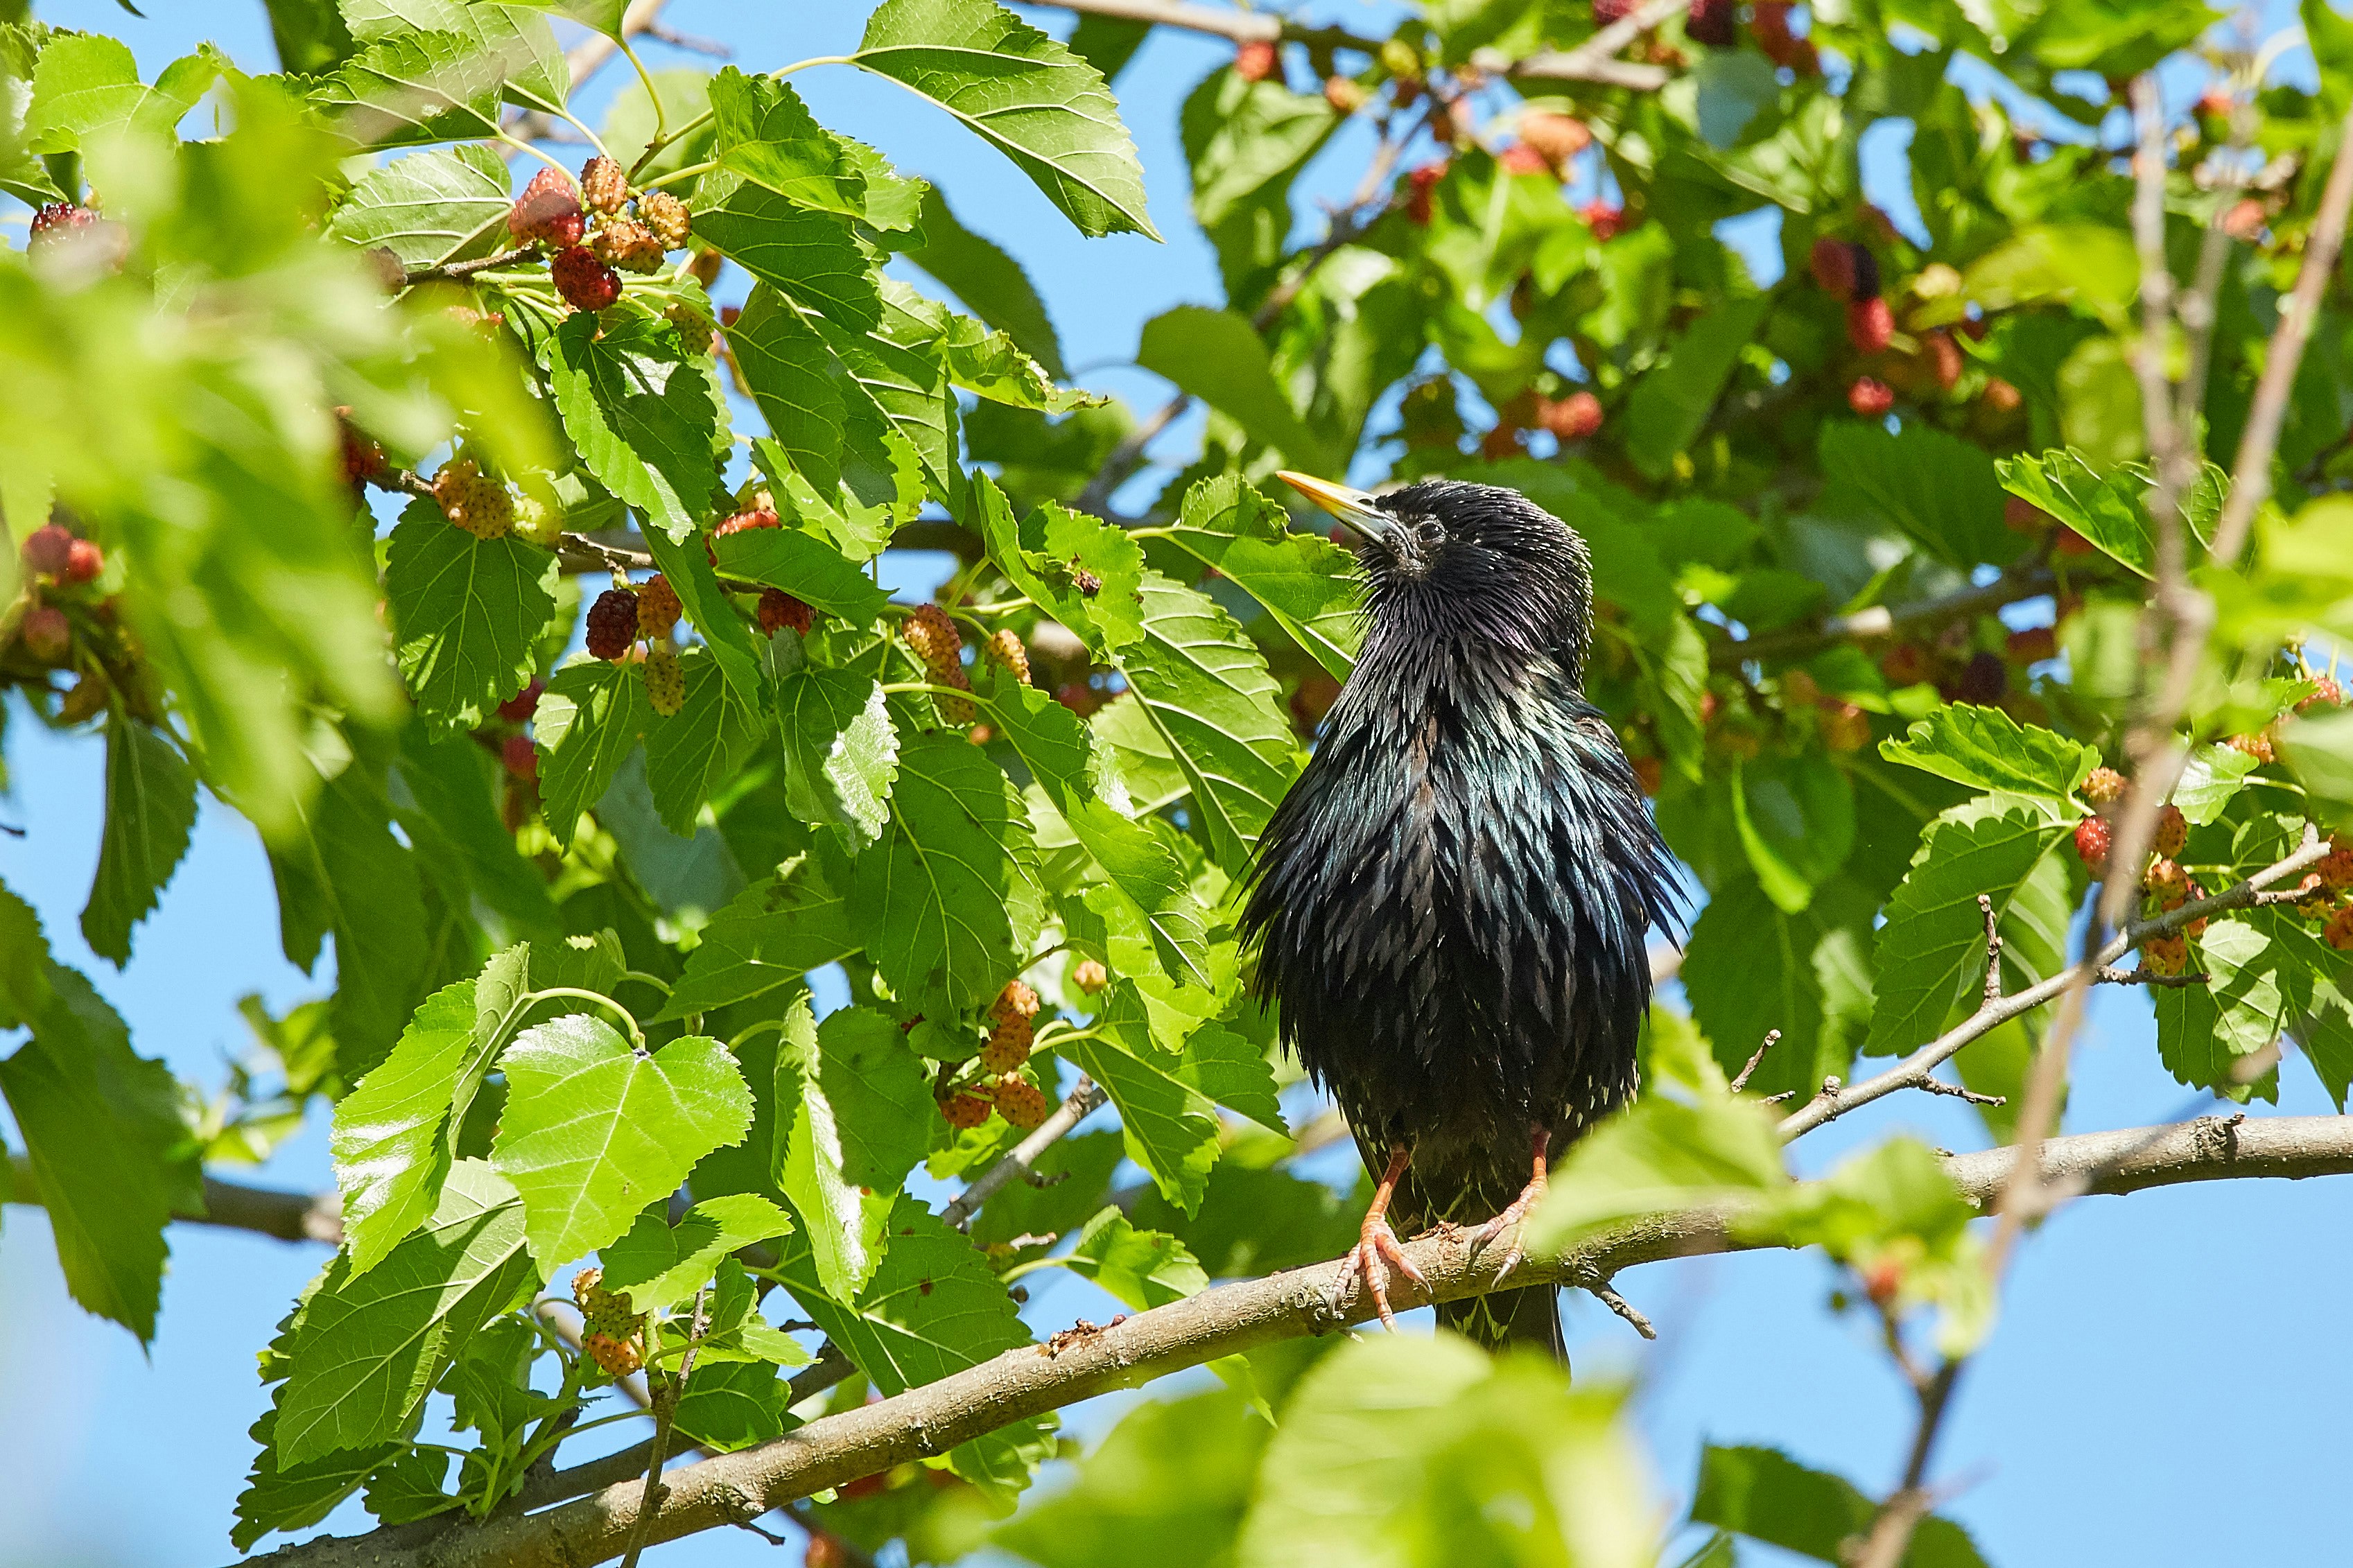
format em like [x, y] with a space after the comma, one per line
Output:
[2092, 837]
[1869, 397]
[779, 609]
[585, 283]
[1870, 325]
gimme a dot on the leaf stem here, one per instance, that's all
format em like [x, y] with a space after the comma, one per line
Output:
[519, 145]
[653, 95]
[675, 175]
[625, 1016]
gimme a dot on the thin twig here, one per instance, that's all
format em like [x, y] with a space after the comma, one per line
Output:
[665, 1418]
[1909, 1072]
[2023, 581]
[2108, 974]
[1241, 27]
[1596, 59]
[1081, 1101]
[450, 271]
[1993, 952]
[1772, 1039]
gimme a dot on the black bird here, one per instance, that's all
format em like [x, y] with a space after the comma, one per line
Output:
[1450, 903]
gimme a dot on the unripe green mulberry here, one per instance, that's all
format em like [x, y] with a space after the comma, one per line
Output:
[665, 682]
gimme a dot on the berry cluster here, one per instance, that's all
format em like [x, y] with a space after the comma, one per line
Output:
[594, 243]
[473, 499]
[1000, 1086]
[611, 1335]
[939, 646]
[60, 569]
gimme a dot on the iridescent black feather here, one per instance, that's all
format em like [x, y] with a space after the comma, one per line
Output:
[1451, 902]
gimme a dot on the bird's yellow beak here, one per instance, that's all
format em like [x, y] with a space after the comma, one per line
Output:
[1353, 507]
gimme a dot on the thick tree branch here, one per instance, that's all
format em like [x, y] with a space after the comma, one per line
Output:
[233, 1205]
[929, 1421]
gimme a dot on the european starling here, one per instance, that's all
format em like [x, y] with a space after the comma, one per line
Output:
[1451, 902]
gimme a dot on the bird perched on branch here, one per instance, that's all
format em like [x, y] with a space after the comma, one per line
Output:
[1450, 903]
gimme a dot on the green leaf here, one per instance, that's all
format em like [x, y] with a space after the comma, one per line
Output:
[86, 87]
[1938, 488]
[112, 1159]
[594, 1130]
[291, 1497]
[774, 934]
[2210, 779]
[843, 1230]
[880, 1092]
[1795, 817]
[1310, 585]
[732, 1404]
[1985, 747]
[589, 720]
[2205, 1032]
[1492, 1461]
[661, 1265]
[948, 900]
[1764, 1494]
[449, 204]
[516, 43]
[1660, 1154]
[1085, 789]
[1045, 553]
[2108, 511]
[344, 872]
[414, 86]
[1168, 1485]
[991, 284]
[1035, 101]
[395, 1135]
[1932, 949]
[805, 567]
[931, 1309]
[1219, 357]
[896, 386]
[694, 753]
[766, 134]
[1671, 402]
[453, 783]
[1141, 1268]
[151, 809]
[1169, 1126]
[1234, 1072]
[467, 614]
[367, 1347]
[813, 259]
[841, 751]
[1207, 693]
[792, 378]
[1750, 967]
[648, 420]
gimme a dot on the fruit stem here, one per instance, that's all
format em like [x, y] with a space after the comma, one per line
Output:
[636, 1033]
[645, 80]
[521, 145]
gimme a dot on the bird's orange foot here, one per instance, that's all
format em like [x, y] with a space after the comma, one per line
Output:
[1513, 1219]
[1377, 1250]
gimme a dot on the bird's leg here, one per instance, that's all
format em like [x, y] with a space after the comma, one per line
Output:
[1377, 1245]
[1518, 1209]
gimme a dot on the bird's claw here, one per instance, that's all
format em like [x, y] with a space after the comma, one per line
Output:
[1377, 1249]
[1511, 1219]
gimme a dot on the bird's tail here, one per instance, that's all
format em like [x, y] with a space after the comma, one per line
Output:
[1529, 1317]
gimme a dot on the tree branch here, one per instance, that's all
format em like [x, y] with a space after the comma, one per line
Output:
[1880, 620]
[1084, 1098]
[1913, 1071]
[929, 1421]
[1596, 59]
[232, 1206]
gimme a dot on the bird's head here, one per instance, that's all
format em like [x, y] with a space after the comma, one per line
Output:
[1446, 560]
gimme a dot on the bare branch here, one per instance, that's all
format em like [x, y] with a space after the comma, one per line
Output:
[1596, 59]
[1241, 27]
[2023, 581]
[1084, 1097]
[451, 271]
[2108, 974]
[933, 1419]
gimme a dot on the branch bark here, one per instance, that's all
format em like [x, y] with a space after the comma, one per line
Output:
[928, 1421]
[1881, 620]
[233, 1205]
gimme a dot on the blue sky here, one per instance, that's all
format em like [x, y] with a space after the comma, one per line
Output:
[2167, 1384]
